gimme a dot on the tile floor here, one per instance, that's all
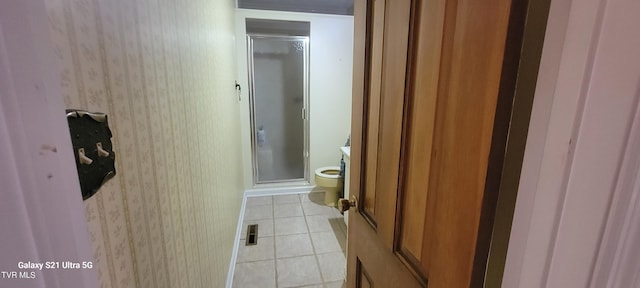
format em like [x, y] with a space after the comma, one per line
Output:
[301, 243]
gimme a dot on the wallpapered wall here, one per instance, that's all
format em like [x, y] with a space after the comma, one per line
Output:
[163, 71]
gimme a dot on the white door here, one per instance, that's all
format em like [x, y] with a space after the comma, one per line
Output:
[578, 205]
[41, 213]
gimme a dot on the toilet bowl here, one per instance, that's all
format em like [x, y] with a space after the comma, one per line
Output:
[328, 178]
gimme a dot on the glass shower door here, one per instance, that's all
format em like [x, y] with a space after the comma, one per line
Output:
[278, 75]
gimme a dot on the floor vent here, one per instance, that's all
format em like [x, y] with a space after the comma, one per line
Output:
[252, 235]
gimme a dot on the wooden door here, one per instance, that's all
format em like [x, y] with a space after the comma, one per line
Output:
[427, 76]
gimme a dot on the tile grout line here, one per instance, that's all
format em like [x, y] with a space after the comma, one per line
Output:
[313, 246]
[275, 253]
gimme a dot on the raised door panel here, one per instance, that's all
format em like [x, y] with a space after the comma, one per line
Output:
[370, 260]
[466, 109]
[374, 48]
[416, 202]
[386, 47]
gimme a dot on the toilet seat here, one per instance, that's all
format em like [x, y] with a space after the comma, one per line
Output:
[319, 172]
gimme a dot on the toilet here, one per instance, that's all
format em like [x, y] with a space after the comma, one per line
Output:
[328, 178]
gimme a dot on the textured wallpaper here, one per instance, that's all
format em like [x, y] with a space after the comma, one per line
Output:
[163, 71]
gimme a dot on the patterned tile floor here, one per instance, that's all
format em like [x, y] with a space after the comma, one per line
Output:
[301, 243]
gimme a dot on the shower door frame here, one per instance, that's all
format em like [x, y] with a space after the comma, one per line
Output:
[305, 109]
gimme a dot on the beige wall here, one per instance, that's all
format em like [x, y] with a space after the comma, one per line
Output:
[163, 70]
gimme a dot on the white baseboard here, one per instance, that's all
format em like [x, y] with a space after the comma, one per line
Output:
[277, 191]
[236, 242]
[255, 193]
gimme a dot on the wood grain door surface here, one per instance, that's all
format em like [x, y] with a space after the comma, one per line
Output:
[425, 96]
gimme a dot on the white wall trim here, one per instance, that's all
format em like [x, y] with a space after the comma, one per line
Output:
[618, 256]
[277, 191]
[236, 242]
[583, 108]
[555, 111]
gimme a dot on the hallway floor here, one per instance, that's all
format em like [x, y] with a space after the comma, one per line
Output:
[301, 243]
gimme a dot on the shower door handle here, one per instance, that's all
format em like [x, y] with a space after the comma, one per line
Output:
[304, 113]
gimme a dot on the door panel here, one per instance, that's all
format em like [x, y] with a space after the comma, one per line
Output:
[464, 128]
[414, 224]
[374, 264]
[363, 279]
[375, 26]
[426, 82]
[386, 69]
[396, 43]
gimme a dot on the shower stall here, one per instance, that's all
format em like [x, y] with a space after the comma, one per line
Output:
[278, 78]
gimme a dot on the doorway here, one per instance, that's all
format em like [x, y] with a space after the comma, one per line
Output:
[278, 60]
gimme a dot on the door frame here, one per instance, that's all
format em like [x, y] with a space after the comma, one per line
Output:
[42, 209]
[531, 17]
[557, 122]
